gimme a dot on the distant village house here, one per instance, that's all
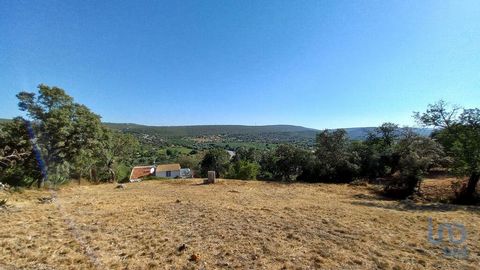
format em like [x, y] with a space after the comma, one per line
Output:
[168, 170]
[163, 170]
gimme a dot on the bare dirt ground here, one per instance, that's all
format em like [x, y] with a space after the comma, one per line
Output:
[182, 224]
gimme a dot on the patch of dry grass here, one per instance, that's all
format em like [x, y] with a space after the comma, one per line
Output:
[229, 225]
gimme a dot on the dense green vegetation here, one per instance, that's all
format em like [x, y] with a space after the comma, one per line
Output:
[184, 139]
[233, 136]
[399, 156]
[60, 140]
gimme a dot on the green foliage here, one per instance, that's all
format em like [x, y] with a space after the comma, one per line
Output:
[62, 127]
[268, 165]
[244, 170]
[244, 164]
[122, 172]
[16, 175]
[70, 139]
[18, 166]
[289, 162]
[116, 149]
[190, 161]
[378, 157]
[417, 155]
[384, 136]
[335, 161]
[215, 160]
[251, 154]
[59, 174]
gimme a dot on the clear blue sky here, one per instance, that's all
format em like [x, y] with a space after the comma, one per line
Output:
[320, 64]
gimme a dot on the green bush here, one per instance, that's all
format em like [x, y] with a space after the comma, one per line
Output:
[123, 173]
[59, 174]
[417, 154]
[243, 170]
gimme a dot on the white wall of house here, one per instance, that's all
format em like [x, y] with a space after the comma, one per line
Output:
[173, 174]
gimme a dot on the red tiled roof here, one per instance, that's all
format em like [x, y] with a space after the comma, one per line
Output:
[140, 171]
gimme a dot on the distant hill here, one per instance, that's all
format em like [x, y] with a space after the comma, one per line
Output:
[360, 133]
[206, 130]
[219, 135]
[209, 130]
[268, 133]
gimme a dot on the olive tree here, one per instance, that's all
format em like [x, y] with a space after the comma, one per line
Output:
[215, 160]
[458, 130]
[416, 156]
[335, 159]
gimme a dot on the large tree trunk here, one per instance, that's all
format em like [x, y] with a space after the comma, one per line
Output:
[40, 182]
[93, 174]
[112, 175]
[471, 186]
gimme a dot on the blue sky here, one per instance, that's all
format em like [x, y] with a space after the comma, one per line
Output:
[320, 64]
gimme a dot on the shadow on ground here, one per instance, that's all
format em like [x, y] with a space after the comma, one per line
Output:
[408, 205]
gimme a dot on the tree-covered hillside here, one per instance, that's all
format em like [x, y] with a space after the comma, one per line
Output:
[206, 130]
[233, 134]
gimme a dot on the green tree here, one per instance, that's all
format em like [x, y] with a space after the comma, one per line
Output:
[12, 149]
[215, 160]
[251, 154]
[385, 135]
[244, 170]
[379, 158]
[417, 155]
[268, 165]
[289, 162]
[335, 159]
[459, 133]
[190, 161]
[117, 150]
[18, 166]
[87, 142]
[62, 127]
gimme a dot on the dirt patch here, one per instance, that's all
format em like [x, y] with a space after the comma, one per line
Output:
[440, 189]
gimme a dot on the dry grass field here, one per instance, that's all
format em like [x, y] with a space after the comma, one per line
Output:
[229, 225]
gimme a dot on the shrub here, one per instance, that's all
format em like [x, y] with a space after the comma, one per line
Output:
[417, 155]
[123, 173]
[59, 174]
[215, 160]
[243, 170]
